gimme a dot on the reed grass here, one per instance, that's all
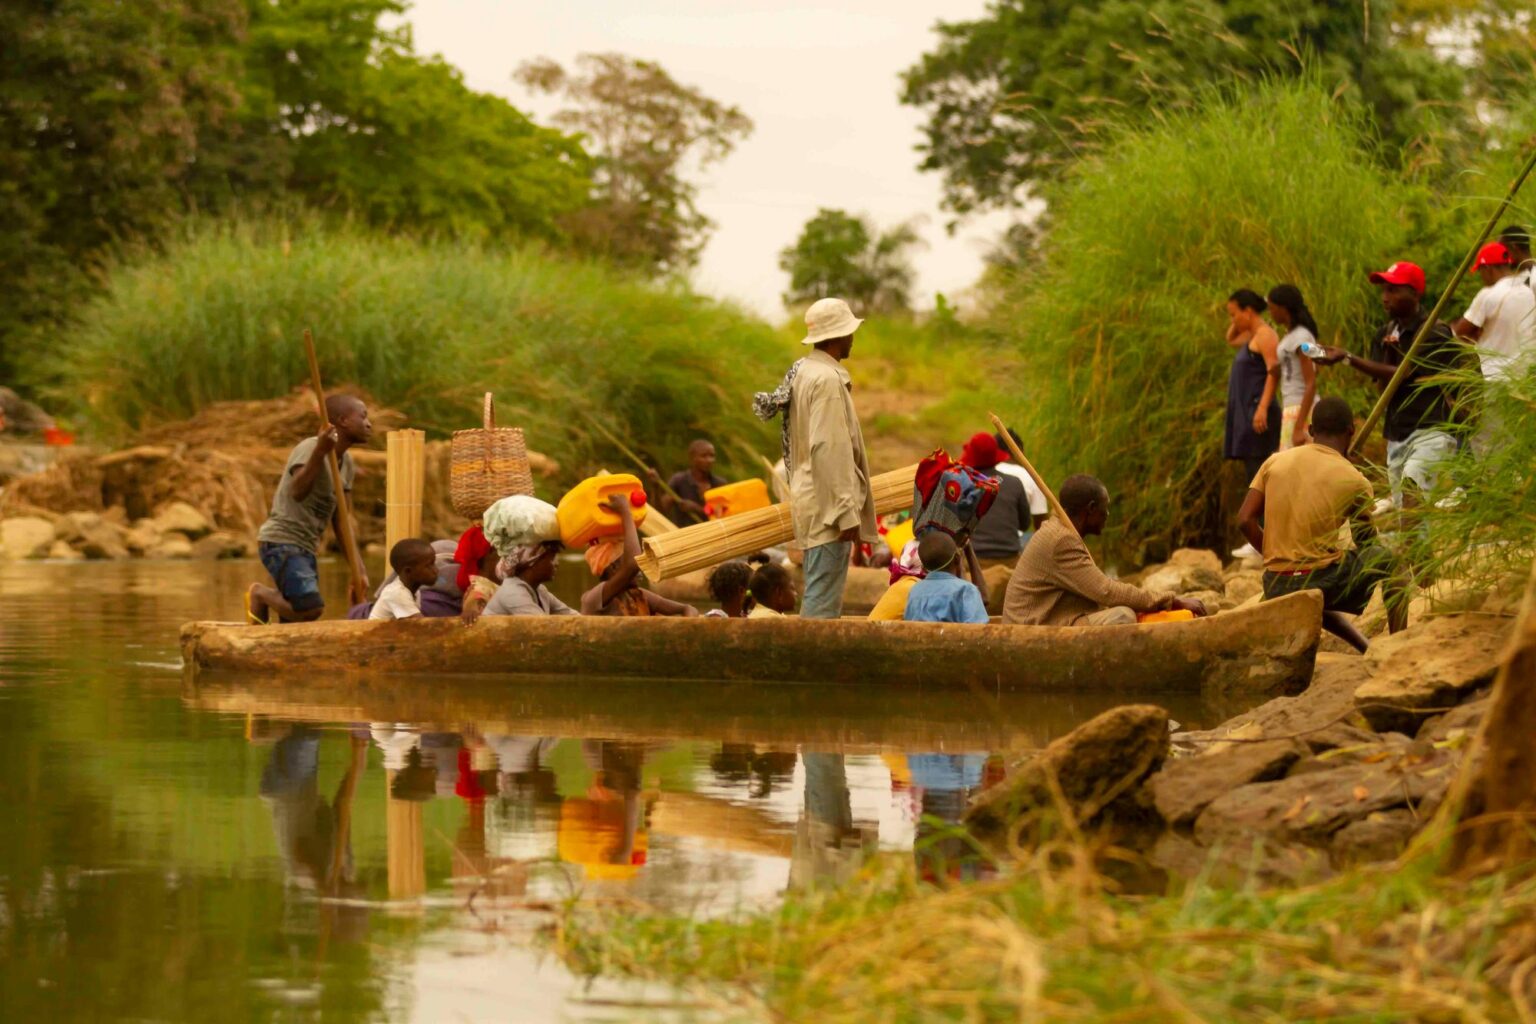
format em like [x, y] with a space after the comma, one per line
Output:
[1119, 326]
[425, 327]
[1048, 945]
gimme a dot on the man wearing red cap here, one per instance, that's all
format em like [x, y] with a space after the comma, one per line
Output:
[1418, 444]
[1502, 318]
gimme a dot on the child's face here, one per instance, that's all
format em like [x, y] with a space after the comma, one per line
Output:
[420, 573]
[784, 599]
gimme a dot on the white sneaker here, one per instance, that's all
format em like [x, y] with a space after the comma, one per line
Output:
[1246, 552]
[1382, 507]
[1451, 500]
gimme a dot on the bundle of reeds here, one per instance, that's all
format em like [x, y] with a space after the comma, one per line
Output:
[706, 544]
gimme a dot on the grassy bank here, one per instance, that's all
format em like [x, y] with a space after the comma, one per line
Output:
[1045, 946]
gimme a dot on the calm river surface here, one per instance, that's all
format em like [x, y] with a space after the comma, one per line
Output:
[290, 849]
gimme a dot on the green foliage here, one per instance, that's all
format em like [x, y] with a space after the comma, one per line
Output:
[847, 256]
[1015, 97]
[645, 126]
[1120, 327]
[425, 327]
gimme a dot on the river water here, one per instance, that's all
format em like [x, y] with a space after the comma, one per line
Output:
[291, 849]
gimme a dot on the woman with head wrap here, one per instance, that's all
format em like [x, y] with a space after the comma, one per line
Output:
[512, 536]
[524, 571]
[613, 562]
[906, 570]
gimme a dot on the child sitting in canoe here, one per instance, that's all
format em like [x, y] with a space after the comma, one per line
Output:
[303, 506]
[941, 595]
[415, 565]
[613, 562]
[773, 590]
[728, 583]
[525, 570]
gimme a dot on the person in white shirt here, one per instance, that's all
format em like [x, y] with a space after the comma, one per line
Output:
[1298, 377]
[1038, 509]
[1501, 320]
[415, 565]
[1518, 241]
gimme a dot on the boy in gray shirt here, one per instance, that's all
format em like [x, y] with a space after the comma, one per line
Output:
[304, 505]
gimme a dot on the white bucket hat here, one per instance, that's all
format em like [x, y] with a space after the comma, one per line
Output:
[828, 319]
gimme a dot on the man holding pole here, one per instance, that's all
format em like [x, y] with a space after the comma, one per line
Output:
[304, 504]
[831, 503]
[1418, 444]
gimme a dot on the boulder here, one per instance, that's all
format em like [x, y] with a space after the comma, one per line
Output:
[100, 539]
[179, 517]
[142, 536]
[1183, 579]
[221, 544]
[1196, 558]
[1462, 721]
[26, 537]
[171, 546]
[1376, 837]
[1243, 585]
[1186, 786]
[62, 552]
[1093, 764]
[1431, 665]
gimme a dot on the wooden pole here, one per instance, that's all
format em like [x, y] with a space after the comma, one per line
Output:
[613, 438]
[1434, 315]
[404, 479]
[1018, 456]
[346, 535]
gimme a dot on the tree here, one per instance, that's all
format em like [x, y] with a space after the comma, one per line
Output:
[1016, 97]
[843, 255]
[647, 130]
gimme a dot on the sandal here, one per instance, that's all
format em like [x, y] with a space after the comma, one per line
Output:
[251, 617]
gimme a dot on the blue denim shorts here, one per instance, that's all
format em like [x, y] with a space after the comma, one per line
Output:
[295, 572]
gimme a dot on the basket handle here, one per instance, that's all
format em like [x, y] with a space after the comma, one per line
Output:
[490, 425]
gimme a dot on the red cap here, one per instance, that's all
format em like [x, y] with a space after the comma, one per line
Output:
[1494, 254]
[1410, 274]
[981, 452]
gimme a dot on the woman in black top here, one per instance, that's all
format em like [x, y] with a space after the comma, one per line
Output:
[1253, 413]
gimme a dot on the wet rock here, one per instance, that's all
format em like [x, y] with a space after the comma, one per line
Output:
[1186, 786]
[1310, 806]
[1376, 837]
[1243, 585]
[1092, 765]
[1432, 665]
[179, 517]
[171, 546]
[221, 544]
[26, 537]
[1328, 700]
[62, 552]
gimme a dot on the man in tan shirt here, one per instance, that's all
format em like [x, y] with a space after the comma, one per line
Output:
[1057, 583]
[831, 503]
[1297, 504]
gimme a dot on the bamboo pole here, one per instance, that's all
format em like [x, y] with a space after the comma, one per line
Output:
[1018, 456]
[1434, 315]
[705, 544]
[404, 845]
[645, 468]
[404, 482]
[345, 533]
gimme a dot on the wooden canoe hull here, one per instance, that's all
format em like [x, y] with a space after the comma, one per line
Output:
[1267, 649]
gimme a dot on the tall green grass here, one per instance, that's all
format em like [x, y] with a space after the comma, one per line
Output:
[426, 327]
[1119, 326]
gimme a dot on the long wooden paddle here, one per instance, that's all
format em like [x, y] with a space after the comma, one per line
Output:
[1018, 456]
[344, 532]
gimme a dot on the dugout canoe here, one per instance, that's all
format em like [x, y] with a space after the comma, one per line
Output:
[1263, 650]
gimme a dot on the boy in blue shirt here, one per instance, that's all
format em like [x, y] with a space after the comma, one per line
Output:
[941, 596]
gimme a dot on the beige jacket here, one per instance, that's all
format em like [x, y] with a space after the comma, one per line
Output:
[1056, 582]
[829, 483]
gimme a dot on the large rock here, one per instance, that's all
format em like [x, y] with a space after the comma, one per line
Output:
[1196, 558]
[1183, 578]
[221, 544]
[26, 537]
[1186, 786]
[1376, 837]
[1090, 766]
[171, 546]
[142, 536]
[1324, 708]
[1459, 722]
[179, 517]
[94, 536]
[1243, 585]
[1432, 665]
[1311, 806]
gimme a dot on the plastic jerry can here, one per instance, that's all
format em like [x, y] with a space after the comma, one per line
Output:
[583, 513]
[1172, 615]
[732, 499]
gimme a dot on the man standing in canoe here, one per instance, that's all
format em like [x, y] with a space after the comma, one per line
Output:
[831, 503]
[689, 485]
[305, 503]
[1056, 582]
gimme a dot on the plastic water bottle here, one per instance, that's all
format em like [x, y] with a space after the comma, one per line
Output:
[1312, 350]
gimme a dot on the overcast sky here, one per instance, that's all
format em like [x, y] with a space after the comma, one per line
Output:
[820, 84]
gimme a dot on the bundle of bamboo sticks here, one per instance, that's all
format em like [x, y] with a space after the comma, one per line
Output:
[698, 547]
[404, 481]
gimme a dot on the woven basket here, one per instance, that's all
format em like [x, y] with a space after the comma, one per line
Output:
[486, 465]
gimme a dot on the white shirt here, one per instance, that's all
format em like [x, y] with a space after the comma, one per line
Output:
[1293, 386]
[1506, 313]
[1037, 503]
[395, 602]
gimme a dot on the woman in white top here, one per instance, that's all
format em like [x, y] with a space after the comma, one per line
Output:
[1298, 376]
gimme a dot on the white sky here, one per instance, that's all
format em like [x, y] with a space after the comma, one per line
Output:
[820, 84]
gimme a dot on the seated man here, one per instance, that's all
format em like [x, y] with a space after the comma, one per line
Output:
[941, 596]
[1056, 582]
[1295, 507]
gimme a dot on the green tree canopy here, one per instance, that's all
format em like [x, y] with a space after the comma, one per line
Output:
[1015, 97]
[847, 256]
